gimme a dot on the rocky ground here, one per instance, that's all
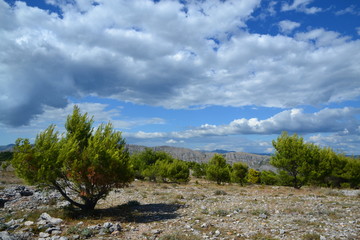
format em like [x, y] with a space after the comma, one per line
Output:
[198, 210]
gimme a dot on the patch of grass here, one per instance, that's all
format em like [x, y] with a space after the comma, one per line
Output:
[261, 236]
[86, 233]
[179, 236]
[220, 192]
[260, 211]
[220, 213]
[311, 236]
[197, 196]
[294, 210]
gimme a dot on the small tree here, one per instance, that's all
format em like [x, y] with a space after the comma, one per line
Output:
[291, 156]
[178, 171]
[239, 173]
[217, 169]
[253, 176]
[268, 177]
[199, 169]
[82, 163]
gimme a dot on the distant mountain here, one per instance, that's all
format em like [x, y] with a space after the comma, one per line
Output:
[221, 151]
[258, 162]
[7, 148]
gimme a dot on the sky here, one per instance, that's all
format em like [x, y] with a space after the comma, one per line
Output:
[199, 74]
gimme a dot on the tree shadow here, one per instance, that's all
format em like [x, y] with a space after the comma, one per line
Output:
[130, 212]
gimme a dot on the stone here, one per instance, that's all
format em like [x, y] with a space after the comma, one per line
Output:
[263, 216]
[217, 233]
[26, 193]
[155, 231]
[49, 219]
[115, 227]
[107, 225]
[6, 236]
[44, 235]
[28, 223]
[204, 225]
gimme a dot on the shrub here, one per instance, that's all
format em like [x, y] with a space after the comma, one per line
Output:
[253, 176]
[217, 169]
[84, 162]
[239, 173]
[268, 178]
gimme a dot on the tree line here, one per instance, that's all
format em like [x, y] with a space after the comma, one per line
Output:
[84, 164]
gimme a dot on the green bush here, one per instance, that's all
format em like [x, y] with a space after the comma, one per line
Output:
[269, 178]
[83, 163]
[239, 173]
[253, 176]
[218, 170]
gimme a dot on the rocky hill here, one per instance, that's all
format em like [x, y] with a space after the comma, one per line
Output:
[259, 162]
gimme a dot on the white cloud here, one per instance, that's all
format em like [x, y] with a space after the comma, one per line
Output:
[287, 26]
[172, 141]
[294, 120]
[347, 144]
[160, 55]
[358, 30]
[349, 10]
[301, 6]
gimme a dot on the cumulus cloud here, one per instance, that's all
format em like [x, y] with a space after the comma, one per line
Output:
[340, 142]
[301, 6]
[294, 120]
[165, 54]
[101, 113]
[287, 26]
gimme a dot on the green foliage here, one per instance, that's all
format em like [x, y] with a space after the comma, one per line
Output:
[253, 176]
[83, 162]
[239, 173]
[178, 171]
[305, 163]
[218, 170]
[291, 156]
[352, 172]
[268, 178]
[199, 169]
[5, 156]
[159, 166]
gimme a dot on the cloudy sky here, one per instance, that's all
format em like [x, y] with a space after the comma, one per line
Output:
[201, 74]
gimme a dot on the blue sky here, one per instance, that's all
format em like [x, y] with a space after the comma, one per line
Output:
[197, 74]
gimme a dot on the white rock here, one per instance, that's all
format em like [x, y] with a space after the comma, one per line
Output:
[44, 235]
[107, 225]
[28, 223]
[49, 219]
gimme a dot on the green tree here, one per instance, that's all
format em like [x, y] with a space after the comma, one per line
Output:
[352, 172]
[178, 171]
[199, 169]
[84, 162]
[253, 176]
[291, 156]
[217, 169]
[144, 163]
[268, 177]
[239, 173]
